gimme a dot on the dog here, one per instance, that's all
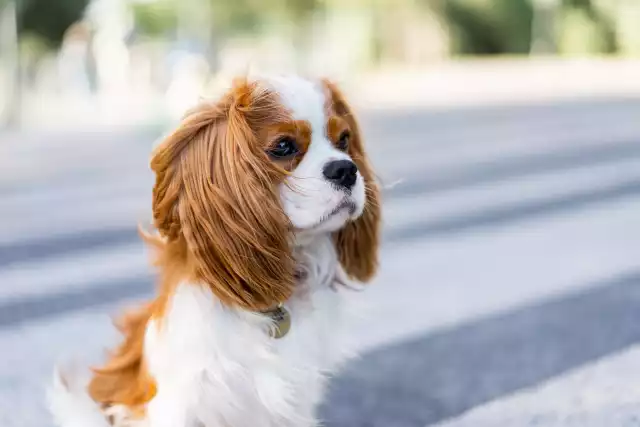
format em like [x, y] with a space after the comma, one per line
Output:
[265, 209]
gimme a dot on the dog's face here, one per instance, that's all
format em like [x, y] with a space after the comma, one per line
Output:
[274, 158]
[325, 187]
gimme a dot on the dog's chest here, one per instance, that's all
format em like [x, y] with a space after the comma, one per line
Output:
[239, 370]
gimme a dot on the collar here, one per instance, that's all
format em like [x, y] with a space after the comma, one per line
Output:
[281, 319]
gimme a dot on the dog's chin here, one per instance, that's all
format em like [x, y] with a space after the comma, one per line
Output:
[333, 223]
[336, 218]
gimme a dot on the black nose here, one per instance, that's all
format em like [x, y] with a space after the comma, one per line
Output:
[341, 172]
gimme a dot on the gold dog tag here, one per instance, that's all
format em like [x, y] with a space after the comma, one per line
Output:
[282, 321]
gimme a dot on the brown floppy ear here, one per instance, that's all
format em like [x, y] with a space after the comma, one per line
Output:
[357, 243]
[216, 194]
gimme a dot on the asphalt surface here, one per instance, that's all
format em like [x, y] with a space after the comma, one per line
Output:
[510, 260]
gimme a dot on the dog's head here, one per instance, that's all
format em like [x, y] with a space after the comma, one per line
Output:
[274, 161]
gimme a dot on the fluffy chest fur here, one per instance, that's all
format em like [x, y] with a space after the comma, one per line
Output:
[226, 369]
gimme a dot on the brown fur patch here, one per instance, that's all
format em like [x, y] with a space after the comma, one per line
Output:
[216, 187]
[336, 126]
[124, 380]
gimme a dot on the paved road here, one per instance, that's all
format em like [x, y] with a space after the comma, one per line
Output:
[509, 293]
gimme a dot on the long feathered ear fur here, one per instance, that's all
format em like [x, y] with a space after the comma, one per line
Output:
[357, 243]
[216, 193]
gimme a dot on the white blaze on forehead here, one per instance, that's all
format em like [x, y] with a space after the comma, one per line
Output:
[305, 99]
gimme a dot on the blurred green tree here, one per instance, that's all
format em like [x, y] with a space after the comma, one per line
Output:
[226, 18]
[48, 19]
[211, 22]
[600, 20]
[249, 16]
[155, 19]
[481, 27]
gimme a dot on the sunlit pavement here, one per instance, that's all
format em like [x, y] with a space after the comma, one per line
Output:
[510, 283]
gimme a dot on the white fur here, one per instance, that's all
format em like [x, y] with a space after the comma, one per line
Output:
[220, 367]
[217, 366]
[70, 403]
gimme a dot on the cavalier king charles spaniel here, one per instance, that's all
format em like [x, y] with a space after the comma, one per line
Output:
[266, 207]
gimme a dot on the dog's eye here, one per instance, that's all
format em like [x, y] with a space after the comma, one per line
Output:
[343, 141]
[283, 148]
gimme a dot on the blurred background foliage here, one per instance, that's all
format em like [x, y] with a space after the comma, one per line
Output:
[48, 19]
[476, 27]
[174, 46]
[484, 27]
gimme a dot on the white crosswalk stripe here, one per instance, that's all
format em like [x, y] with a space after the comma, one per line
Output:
[72, 271]
[602, 394]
